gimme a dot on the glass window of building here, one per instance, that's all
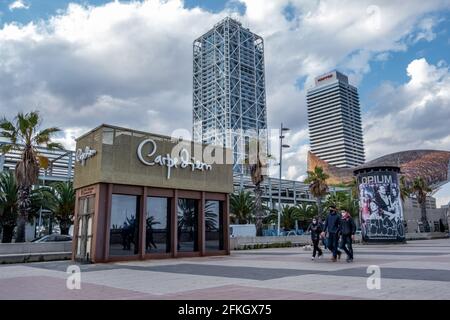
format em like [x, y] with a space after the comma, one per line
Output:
[124, 227]
[157, 236]
[213, 225]
[187, 225]
[108, 136]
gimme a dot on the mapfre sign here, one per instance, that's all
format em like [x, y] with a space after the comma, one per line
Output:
[328, 76]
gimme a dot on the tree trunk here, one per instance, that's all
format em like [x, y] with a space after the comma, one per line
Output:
[319, 207]
[21, 223]
[7, 233]
[258, 211]
[64, 226]
[24, 208]
[423, 209]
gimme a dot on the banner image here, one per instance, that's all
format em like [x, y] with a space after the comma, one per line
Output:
[381, 211]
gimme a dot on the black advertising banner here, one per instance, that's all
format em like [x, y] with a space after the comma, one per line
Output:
[381, 212]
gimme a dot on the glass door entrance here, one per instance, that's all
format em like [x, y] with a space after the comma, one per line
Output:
[84, 235]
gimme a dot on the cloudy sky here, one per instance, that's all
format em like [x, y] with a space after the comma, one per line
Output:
[129, 63]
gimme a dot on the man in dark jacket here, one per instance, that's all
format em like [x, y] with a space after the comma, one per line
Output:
[348, 230]
[333, 226]
[316, 229]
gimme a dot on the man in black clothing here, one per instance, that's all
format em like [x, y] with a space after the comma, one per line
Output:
[333, 226]
[316, 229]
[348, 230]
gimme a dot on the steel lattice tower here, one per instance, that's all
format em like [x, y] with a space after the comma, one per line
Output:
[229, 96]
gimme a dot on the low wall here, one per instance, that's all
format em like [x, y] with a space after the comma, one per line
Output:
[34, 257]
[28, 248]
[240, 242]
[426, 235]
[35, 252]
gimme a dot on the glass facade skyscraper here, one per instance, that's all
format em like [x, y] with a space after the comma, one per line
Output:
[334, 119]
[229, 96]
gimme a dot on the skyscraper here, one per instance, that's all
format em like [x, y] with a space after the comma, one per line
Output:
[334, 118]
[229, 100]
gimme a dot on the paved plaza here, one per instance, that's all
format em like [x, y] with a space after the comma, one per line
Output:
[417, 270]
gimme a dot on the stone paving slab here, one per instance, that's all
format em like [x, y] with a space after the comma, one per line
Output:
[237, 292]
[50, 288]
[251, 273]
[418, 265]
[357, 287]
[413, 271]
[397, 273]
[158, 283]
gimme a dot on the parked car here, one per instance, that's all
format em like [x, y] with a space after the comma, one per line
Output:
[52, 238]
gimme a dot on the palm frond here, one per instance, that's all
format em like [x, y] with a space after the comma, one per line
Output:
[4, 149]
[55, 145]
[8, 131]
[33, 119]
[44, 136]
[8, 199]
[6, 125]
[22, 126]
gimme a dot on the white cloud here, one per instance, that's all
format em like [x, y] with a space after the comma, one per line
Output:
[412, 115]
[18, 4]
[425, 31]
[130, 63]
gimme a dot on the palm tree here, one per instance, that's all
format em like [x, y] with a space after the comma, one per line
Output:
[61, 202]
[337, 199]
[271, 215]
[242, 207]
[404, 189]
[8, 205]
[421, 190]
[257, 175]
[318, 186]
[289, 214]
[306, 212]
[24, 135]
[351, 206]
[353, 185]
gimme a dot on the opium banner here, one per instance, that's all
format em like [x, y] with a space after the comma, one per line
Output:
[381, 212]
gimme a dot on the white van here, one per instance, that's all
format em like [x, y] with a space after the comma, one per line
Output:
[242, 230]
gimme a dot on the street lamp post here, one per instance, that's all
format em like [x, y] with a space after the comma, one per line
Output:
[282, 130]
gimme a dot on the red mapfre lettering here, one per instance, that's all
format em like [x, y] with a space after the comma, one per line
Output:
[326, 77]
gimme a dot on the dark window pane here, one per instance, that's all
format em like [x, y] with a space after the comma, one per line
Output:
[187, 225]
[124, 232]
[158, 225]
[213, 225]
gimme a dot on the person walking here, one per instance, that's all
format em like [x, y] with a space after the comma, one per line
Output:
[348, 230]
[316, 230]
[322, 238]
[332, 226]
